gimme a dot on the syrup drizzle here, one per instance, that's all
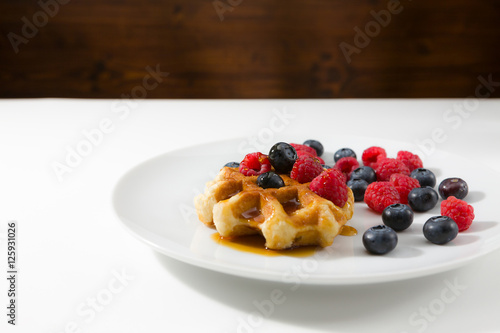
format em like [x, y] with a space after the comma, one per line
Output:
[253, 214]
[291, 206]
[348, 231]
[256, 244]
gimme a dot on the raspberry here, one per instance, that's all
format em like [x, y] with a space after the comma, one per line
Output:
[388, 166]
[320, 160]
[306, 169]
[411, 160]
[458, 210]
[306, 151]
[347, 165]
[403, 184]
[370, 155]
[379, 195]
[379, 159]
[303, 154]
[255, 164]
[330, 184]
[309, 150]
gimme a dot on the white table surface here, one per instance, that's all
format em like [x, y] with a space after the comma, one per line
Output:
[72, 246]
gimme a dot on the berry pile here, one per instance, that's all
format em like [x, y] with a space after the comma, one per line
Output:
[303, 163]
[394, 187]
[403, 174]
[403, 186]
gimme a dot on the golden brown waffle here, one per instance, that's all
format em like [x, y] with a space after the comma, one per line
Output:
[287, 217]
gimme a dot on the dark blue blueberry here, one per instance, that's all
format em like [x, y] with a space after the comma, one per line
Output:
[380, 239]
[326, 166]
[232, 165]
[422, 199]
[397, 216]
[358, 187]
[344, 152]
[270, 180]
[424, 176]
[282, 157]
[316, 145]
[456, 187]
[366, 173]
[440, 229]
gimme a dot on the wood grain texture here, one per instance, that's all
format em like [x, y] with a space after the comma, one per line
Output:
[262, 49]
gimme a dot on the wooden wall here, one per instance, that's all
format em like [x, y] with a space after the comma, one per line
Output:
[261, 48]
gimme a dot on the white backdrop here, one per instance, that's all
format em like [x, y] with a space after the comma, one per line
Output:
[81, 271]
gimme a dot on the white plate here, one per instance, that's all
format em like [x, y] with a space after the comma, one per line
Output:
[154, 201]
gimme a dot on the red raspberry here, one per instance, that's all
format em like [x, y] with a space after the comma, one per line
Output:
[330, 184]
[370, 155]
[320, 160]
[347, 165]
[403, 184]
[388, 166]
[458, 210]
[379, 158]
[379, 195]
[303, 154]
[307, 149]
[306, 169]
[255, 164]
[411, 160]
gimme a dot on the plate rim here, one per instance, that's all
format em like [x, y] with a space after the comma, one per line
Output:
[260, 274]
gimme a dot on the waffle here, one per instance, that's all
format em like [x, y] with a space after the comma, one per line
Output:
[287, 217]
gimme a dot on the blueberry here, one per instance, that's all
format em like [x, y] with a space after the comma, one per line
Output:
[380, 239]
[440, 229]
[424, 176]
[282, 157]
[270, 180]
[326, 166]
[358, 187]
[422, 199]
[316, 145]
[456, 187]
[365, 173]
[344, 152]
[398, 216]
[232, 165]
